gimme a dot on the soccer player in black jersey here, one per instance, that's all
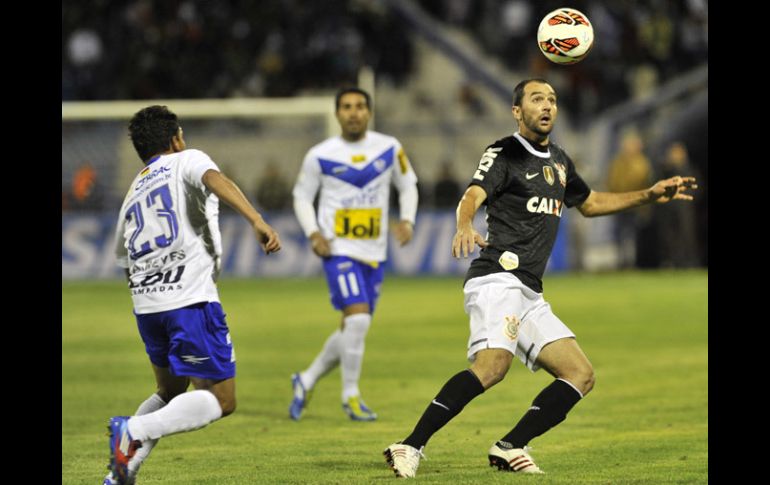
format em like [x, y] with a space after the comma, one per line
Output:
[525, 180]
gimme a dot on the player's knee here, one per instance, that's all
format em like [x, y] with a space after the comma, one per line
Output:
[491, 371]
[227, 405]
[495, 375]
[585, 379]
[589, 381]
[582, 378]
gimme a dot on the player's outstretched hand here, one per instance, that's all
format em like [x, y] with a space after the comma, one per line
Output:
[267, 238]
[403, 231]
[673, 188]
[465, 241]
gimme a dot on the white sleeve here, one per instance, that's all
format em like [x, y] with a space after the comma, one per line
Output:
[305, 190]
[407, 202]
[405, 181]
[197, 164]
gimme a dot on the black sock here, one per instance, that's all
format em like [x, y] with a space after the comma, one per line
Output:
[549, 408]
[451, 399]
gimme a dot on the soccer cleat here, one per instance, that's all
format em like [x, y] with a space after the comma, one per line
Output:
[403, 459]
[122, 449]
[357, 410]
[111, 480]
[512, 460]
[301, 397]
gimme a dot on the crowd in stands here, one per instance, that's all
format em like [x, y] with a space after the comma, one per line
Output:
[146, 49]
[639, 44]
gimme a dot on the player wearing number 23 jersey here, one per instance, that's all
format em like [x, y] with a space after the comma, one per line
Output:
[168, 233]
[168, 241]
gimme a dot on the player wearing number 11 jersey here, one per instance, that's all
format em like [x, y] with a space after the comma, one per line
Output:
[354, 172]
[168, 241]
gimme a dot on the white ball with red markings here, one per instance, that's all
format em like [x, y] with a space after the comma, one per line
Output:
[565, 36]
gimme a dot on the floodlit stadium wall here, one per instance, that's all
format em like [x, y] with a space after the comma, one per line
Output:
[88, 246]
[242, 136]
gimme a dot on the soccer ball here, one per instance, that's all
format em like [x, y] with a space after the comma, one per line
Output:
[565, 36]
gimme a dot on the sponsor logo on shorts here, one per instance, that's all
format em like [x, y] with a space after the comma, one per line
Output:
[191, 359]
[345, 266]
[512, 327]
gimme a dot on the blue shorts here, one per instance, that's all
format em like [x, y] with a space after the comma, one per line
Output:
[193, 341]
[352, 281]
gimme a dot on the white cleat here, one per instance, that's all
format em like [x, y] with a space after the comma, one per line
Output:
[111, 480]
[403, 459]
[513, 460]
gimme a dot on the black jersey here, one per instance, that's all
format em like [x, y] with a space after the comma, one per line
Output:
[526, 193]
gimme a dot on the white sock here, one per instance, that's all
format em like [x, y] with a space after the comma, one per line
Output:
[153, 403]
[353, 336]
[186, 412]
[324, 362]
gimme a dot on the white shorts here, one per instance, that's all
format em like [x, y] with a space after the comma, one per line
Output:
[506, 314]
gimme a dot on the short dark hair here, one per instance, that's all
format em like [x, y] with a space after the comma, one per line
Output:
[352, 89]
[151, 130]
[518, 91]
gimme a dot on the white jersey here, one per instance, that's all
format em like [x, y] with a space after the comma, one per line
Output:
[355, 178]
[168, 234]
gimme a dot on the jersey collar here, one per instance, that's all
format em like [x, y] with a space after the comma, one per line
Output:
[529, 148]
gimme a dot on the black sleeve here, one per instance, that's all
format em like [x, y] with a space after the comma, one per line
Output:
[577, 191]
[491, 174]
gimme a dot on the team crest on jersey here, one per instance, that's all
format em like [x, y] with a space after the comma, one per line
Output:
[562, 173]
[380, 164]
[358, 158]
[548, 174]
[512, 327]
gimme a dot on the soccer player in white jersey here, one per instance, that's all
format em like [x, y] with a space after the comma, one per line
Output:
[168, 241]
[354, 172]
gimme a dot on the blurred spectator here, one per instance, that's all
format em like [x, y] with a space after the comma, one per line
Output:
[516, 19]
[86, 193]
[629, 170]
[678, 246]
[470, 100]
[447, 191]
[273, 192]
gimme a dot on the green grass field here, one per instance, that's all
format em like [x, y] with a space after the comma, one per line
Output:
[645, 422]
